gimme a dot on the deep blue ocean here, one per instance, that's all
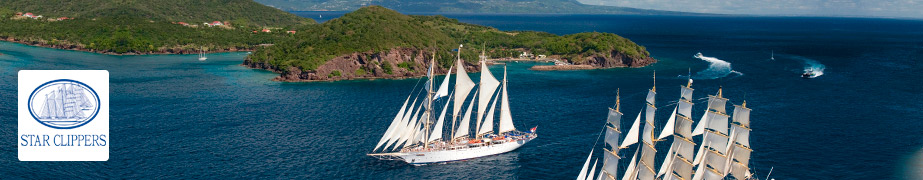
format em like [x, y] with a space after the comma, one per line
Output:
[174, 117]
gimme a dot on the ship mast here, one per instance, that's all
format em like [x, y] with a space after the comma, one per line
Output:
[610, 156]
[429, 100]
[646, 169]
[738, 150]
[712, 153]
[456, 109]
[677, 164]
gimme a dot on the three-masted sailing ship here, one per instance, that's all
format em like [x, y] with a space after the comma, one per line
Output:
[413, 137]
[723, 153]
[67, 103]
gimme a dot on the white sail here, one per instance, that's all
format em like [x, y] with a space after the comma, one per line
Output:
[437, 129]
[632, 171]
[682, 136]
[650, 96]
[646, 170]
[647, 136]
[444, 87]
[466, 120]
[684, 108]
[645, 173]
[666, 162]
[612, 137]
[712, 175]
[715, 165]
[740, 164]
[419, 131]
[718, 123]
[682, 169]
[411, 128]
[686, 93]
[701, 152]
[646, 167]
[632, 136]
[668, 129]
[717, 103]
[742, 115]
[729, 150]
[743, 135]
[700, 127]
[506, 120]
[680, 126]
[682, 165]
[487, 87]
[615, 118]
[739, 145]
[592, 170]
[700, 163]
[488, 125]
[463, 86]
[397, 120]
[610, 165]
[586, 164]
[699, 173]
[718, 142]
[399, 129]
[683, 127]
[712, 155]
[609, 170]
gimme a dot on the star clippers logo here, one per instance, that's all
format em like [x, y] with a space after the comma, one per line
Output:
[63, 115]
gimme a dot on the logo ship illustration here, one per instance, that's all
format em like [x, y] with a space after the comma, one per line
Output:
[66, 104]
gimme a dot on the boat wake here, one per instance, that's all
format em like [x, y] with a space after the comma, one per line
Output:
[811, 65]
[814, 66]
[717, 68]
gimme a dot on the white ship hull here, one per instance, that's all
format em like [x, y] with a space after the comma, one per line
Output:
[461, 154]
[427, 157]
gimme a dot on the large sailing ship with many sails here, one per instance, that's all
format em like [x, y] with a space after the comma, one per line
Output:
[723, 153]
[412, 136]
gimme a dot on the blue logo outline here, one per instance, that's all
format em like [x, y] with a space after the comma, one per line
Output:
[98, 105]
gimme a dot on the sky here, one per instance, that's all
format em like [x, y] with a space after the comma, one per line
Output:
[850, 8]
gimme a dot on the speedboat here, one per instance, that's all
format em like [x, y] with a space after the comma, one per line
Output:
[809, 74]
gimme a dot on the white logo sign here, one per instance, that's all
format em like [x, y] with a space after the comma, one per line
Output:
[63, 115]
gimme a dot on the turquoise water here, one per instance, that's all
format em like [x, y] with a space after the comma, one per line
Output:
[176, 117]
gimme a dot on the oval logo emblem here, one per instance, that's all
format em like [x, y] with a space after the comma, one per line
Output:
[64, 104]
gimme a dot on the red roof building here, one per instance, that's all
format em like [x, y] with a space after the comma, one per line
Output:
[266, 30]
[28, 15]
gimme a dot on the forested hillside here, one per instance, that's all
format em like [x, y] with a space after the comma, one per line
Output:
[143, 26]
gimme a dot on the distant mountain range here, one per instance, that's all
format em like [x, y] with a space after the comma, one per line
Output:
[463, 6]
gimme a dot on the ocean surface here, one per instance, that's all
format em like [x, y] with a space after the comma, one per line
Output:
[174, 117]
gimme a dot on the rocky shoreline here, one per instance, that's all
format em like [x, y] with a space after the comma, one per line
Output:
[561, 67]
[361, 65]
[373, 65]
[81, 47]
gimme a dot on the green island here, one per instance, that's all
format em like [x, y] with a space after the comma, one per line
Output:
[466, 6]
[376, 42]
[145, 26]
[371, 42]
